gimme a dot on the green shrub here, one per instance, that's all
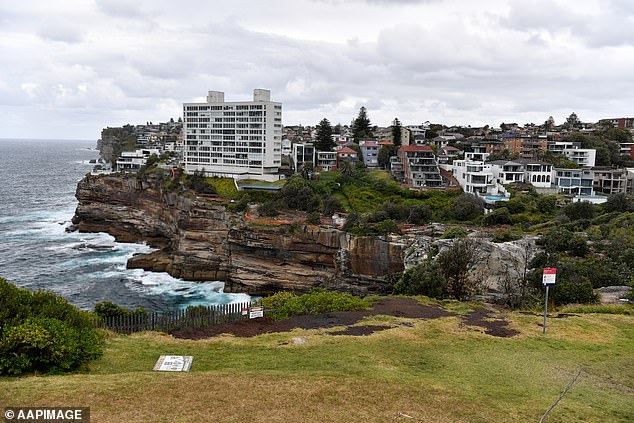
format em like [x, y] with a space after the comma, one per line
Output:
[575, 292]
[423, 279]
[268, 209]
[317, 301]
[40, 331]
[547, 204]
[506, 235]
[467, 207]
[107, 309]
[46, 345]
[500, 216]
[313, 218]
[579, 210]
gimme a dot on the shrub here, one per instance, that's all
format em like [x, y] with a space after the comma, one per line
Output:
[107, 309]
[298, 194]
[331, 205]
[419, 215]
[386, 227]
[313, 218]
[467, 207]
[579, 210]
[317, 301]
[455, 263]
[268, 209]
[619, 202]
[547, 204]
[506, 235]
[575, 292]
[40, 331]
[423, 279]
[500, 216]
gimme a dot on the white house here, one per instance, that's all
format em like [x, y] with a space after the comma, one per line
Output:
[131, 161]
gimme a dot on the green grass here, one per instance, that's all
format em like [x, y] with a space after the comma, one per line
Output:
[436, 370]
[602, 308]
[225, 187]
[261, 183]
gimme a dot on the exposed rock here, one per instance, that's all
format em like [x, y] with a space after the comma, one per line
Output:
[199, 240]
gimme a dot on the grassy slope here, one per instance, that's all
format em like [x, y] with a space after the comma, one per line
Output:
[435, 371]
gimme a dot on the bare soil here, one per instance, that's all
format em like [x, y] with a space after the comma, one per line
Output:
[389, 306]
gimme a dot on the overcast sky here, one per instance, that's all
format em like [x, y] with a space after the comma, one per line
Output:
[70, 67]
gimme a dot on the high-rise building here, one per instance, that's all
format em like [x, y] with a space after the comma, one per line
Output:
[241, 139]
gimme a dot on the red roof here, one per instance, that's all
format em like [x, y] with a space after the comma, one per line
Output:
[347, 150]
[386, 143]
[368, 144]
[450, 148]
[416, 148]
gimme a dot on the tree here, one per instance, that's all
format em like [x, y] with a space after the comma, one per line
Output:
[361, 126]
[579, 210]
[467, 207]
[455, 263]
[619, 202]
[307, 169]
[425, 278]
[385, 152]
[397, 131]
[323, 137]
[346, 168]
[550, 123]
[572, 122]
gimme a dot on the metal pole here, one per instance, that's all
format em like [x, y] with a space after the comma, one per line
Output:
[545, 308]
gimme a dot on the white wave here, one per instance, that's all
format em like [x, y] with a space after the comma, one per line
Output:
[190, 293]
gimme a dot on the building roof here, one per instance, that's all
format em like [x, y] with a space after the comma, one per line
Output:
[368, 144]
[450, 148]
[415, 148]
[347, 150]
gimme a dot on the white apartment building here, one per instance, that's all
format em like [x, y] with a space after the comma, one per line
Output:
[241, 139]
[585, 157]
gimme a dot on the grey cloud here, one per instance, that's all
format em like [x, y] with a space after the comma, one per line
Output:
[122, 8]
[61, 31]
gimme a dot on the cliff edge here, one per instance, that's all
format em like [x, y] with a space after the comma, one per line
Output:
[204, 241]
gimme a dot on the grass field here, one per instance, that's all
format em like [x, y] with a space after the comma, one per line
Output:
[433, 371]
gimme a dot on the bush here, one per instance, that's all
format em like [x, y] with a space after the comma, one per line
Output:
[313, 218]
[467, 207]
[579, 210]
[619, 202]
[107, 309]
[40, 331]
[506, 235]
[268, 209]
[423, 279]
[455, 263]
[575, 292]
[419, 215]
[298, 194]
[500, 216]
[547, 204]
[331, 205]
[317, 301]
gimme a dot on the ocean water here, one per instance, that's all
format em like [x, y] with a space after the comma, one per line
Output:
[37, 201]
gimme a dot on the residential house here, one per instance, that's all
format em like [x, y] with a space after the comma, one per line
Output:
[347, 154]
[326, 160]
[131, 161]
[611, 181]
[575, 181]
[302, 153]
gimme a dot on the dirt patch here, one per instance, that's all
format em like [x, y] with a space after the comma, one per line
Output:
[390, 306]
[360, 330]
[491, 325]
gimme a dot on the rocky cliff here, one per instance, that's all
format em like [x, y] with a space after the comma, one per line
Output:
[201, 240]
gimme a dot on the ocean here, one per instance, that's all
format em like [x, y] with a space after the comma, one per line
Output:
[38, 179]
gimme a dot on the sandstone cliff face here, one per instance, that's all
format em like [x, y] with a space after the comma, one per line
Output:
[200, 240]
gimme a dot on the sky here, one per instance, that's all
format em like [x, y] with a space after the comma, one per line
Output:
[71, 67]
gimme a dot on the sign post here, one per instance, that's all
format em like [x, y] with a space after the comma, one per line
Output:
[548, 279]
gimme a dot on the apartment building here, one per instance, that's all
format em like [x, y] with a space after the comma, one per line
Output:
[326, 160]
[131, 161]
[302, 153]
[370, 153]
[419, 166]
[241, 139]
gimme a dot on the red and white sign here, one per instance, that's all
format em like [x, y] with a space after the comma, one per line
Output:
[256, 312]
[550, 274]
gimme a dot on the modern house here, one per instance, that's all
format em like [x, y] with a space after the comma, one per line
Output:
[611, 181]
[325, 160]
[574, 181]
[241, 139]
[132, 161]
[302, 153]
